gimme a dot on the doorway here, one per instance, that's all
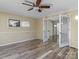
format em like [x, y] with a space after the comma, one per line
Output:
[57, 30]
[50, 30]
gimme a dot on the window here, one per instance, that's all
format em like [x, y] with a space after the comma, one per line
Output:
[25, 24]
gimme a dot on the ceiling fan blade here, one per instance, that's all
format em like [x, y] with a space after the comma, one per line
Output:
[29, 9]
[38, 2]
[44, 6]
[27, 4]
[28, 1]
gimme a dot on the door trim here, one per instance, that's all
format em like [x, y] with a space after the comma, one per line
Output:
[69, 31]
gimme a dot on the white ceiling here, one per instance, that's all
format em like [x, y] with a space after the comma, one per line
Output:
[15, 7]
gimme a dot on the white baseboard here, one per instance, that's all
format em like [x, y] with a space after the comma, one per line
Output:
[64, 44]
[14, 42]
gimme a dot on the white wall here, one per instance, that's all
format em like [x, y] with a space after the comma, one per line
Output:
[73, 42]
[74, 28]
[17, 34]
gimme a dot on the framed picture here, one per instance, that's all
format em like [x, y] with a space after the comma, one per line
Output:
[14, 23]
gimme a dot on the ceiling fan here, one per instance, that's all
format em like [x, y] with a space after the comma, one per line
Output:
[37, 4]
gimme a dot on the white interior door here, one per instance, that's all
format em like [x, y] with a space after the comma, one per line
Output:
[45, 31]
[63, 30]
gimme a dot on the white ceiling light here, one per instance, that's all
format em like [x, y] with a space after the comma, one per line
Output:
[55, 25]
[76, 17]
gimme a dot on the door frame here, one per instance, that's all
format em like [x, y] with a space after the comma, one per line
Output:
[69, 31]
[44, 31]
[47, 19]
[58, 16]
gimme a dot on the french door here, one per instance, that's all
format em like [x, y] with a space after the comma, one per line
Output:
[63, 30]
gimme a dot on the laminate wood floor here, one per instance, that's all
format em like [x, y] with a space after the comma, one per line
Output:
[35, 49]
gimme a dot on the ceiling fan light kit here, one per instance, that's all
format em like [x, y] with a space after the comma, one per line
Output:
[36, 5]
